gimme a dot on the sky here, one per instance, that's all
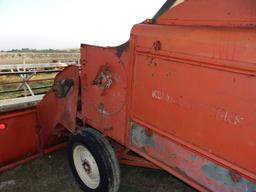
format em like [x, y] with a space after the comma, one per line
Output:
[60, 24]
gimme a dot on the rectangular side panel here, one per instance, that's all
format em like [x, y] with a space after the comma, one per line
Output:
[198, 87]
[213, 110]
[104, 89]
[19, 140]
[187, 164]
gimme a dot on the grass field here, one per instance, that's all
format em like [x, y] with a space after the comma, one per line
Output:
[52, 174]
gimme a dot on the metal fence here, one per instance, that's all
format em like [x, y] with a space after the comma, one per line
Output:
[20, 80]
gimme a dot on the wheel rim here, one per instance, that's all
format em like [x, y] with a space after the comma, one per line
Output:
[86, 166]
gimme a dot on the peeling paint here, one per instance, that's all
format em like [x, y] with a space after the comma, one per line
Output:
[223, 176]
[166, 97]
[193, 157]
[120, 49]
[228, 117]
[140, 137]
[187, 163]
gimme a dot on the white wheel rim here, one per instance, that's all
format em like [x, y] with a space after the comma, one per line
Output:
[86, 166]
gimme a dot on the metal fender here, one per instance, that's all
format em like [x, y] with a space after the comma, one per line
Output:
[57, 111]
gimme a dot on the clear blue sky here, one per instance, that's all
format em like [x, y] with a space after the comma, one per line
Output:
[45, 24]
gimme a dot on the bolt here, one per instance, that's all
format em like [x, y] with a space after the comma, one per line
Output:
[157, 45]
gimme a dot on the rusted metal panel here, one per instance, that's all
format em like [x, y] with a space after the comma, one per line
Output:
[57, 111]
[104, 89]
[195, 86]
[187, 163]
[192, 90]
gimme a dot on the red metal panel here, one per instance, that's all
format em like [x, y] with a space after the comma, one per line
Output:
[25, 138]
[56, 113]
[191, 97]
[104, 106]
[196, 86]
[19, 139]
[211, 13]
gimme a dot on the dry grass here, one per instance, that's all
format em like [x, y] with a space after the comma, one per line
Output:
[33, 57]
[7, 79]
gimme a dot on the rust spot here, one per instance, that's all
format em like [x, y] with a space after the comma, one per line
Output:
[102, 109]
[149, 132]
[141, 137]
[83, 61]
[236, 177]
[157, 45]
[193, 157]
[120, 49]
[149, 21]
[173, 155]
[177, 169]
[83, 45]
[228, 178]
[143, 148]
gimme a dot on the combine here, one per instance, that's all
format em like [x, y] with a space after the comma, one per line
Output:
[180, 95]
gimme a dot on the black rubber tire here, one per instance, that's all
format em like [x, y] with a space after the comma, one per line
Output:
[104, 156]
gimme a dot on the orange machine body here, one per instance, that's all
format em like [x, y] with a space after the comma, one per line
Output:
[181, 93]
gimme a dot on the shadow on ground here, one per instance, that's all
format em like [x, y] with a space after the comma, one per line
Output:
[52, 174]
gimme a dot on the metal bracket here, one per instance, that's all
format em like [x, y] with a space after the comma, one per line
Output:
[62, 87]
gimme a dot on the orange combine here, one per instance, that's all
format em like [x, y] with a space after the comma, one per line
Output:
[180, 95]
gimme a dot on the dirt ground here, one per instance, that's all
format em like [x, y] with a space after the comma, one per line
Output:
[52, 174]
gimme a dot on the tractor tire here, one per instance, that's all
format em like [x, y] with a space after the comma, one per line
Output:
[93, 162]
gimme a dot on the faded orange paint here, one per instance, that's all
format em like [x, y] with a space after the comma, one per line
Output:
[181, 93]
[105, 108]
[191, 79]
